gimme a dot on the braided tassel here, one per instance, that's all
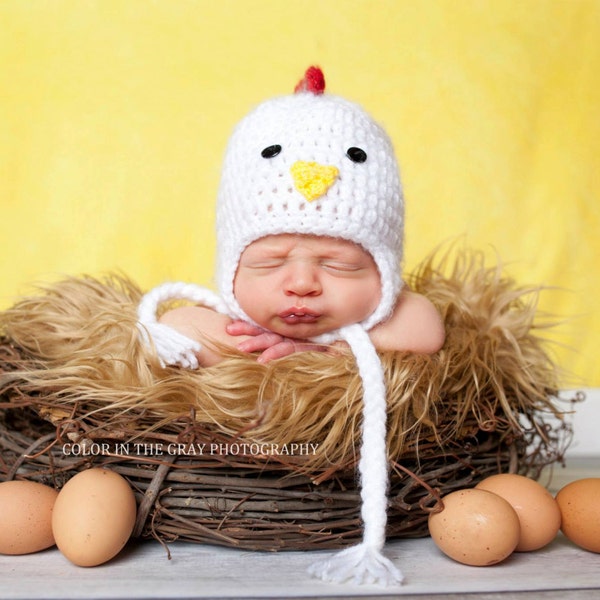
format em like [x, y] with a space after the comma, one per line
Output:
[172, 347]
[365, 562]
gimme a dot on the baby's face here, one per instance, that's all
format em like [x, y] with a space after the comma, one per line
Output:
[302, 286]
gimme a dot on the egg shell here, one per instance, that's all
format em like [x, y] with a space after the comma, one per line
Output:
[538, 511]
[579, 503]
[26, 517]
[476, 527]
[93, 516]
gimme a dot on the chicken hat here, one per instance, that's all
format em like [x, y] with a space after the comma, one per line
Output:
[311, 163]
[316, 164]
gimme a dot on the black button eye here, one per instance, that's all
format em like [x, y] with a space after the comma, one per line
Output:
[271, 151]
[357, 155]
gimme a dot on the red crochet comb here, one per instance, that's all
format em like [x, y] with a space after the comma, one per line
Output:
[313, 81]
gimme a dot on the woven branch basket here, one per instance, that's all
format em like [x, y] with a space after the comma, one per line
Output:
[264, 457]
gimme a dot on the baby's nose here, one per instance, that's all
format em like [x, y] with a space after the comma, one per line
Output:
[303, 280]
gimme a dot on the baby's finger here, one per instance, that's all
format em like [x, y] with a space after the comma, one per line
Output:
[259, 342]
[283, 348]
[243, 328]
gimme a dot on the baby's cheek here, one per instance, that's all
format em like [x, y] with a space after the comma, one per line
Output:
[248, 293]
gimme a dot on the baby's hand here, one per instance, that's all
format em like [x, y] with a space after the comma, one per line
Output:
[271, 345]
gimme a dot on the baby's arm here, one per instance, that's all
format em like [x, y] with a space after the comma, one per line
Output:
[415, 326]
[202, 325]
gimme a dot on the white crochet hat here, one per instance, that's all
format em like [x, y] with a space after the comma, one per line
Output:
[311, 163]
[319, 165]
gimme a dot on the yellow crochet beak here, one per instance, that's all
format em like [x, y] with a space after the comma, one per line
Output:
[313, 180]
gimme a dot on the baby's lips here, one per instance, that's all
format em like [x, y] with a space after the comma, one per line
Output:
[299, 315]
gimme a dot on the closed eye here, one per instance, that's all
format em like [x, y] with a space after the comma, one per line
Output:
[265, 265]
[341, 268]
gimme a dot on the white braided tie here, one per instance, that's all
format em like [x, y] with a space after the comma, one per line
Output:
[365, 563]
[172, 347]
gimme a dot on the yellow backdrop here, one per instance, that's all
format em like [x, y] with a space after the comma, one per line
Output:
[114, 115]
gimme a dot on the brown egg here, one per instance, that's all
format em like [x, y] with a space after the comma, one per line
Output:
[579, 503]
[93, 517]
[535, 506]
[476, 527]
[26, 517]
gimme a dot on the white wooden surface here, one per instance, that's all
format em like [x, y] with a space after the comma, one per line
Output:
[202, 572]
